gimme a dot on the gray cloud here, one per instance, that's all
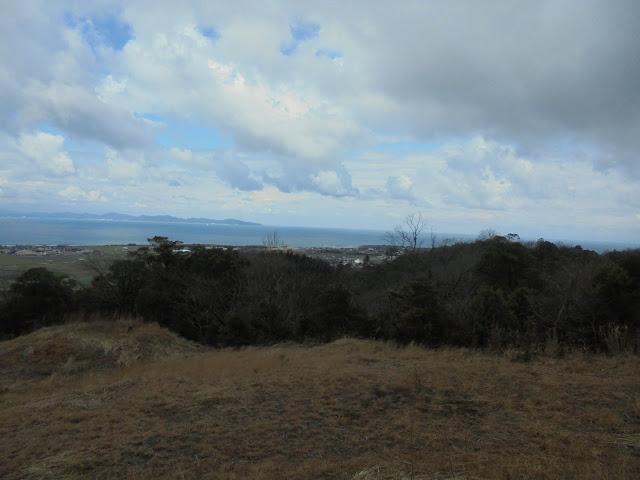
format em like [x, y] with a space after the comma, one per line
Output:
[48, 76]
[81, 114]
[525, 73]
[326, 177]
[226, 165]
[400, 187]
[529, 73]
[235, 173]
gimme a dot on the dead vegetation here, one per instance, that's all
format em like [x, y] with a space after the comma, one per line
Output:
[100, 400]
[84, 349]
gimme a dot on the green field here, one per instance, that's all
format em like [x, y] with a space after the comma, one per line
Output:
[75, 266]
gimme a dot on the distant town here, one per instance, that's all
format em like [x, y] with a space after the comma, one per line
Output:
[353, 256]
[44, 250]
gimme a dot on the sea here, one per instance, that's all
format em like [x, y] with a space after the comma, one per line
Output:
[35, 231]
[31, 231]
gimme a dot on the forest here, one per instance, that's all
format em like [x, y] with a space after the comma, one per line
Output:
[495, 293]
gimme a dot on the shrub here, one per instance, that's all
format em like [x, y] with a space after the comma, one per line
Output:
[37, 298]
[415, 313]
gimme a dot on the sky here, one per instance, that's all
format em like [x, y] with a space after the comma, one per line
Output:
[518, 116]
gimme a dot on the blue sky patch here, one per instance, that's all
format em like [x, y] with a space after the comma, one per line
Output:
[108, 29]
[209, 32]
[302, 31]
[154, 117]
[187, 135]
[288, 49]
[48, 128]
[329, 53]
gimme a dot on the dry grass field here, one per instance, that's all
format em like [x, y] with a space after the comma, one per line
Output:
[102, 401]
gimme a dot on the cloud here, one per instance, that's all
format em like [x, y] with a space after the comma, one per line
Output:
[80, 113]
[280, 120]
[328, 177]
[47, 152]
[478, 111]
[74, 193]
[530, 75]
[400, 187]
[123, 169]
[331, 184]
[49, 78]
[107, 29]
[480, 183]
[225, 164]
[329, 53]
[237, 175]
[261, 114]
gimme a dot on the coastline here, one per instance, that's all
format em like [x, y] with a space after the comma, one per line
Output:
[97, 233]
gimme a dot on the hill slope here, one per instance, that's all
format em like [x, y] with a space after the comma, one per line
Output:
[79, 349]
[146, 404]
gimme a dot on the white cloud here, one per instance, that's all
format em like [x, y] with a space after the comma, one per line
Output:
[261, 113]
[71, 192]
[400, 187]
[46, 150]
[123, 169]
[328, 183]
[227, 166]
[467, 186]
[223, 72]
[84, 115]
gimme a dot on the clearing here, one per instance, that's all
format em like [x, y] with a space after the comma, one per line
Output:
[132, 400]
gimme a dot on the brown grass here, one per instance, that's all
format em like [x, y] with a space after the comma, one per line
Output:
[97, 401]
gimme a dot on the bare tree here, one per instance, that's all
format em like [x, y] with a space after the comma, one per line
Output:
[486, 234]
[272, 240]
[407, 236]
[97, 263]
[434, 239]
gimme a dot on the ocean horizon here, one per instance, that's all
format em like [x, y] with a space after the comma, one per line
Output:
[33, 231]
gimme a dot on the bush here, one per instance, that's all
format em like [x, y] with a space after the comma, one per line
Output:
[415, 313]
[492, 318]
[37, 298]
[335, 315]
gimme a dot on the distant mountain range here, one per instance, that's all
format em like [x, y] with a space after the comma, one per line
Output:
[129, 218]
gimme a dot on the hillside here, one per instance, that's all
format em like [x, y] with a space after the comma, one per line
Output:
[101, 400]
[86, 349]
